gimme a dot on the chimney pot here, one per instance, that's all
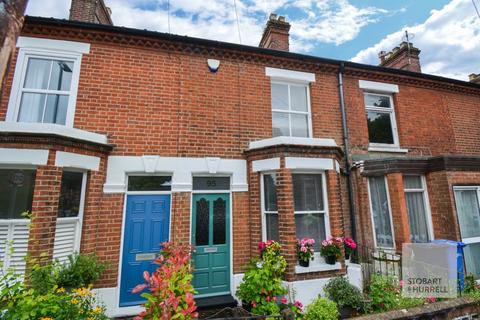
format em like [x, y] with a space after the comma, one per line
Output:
[474, 78]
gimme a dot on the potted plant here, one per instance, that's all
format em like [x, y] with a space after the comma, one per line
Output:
[349, 299]
[331, 249]
[305, 251]
[349, 245]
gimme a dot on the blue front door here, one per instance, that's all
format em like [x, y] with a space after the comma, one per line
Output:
[147, 222]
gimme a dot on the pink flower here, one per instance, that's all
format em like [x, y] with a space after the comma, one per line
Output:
[303, 249]
[324, 243]
[431, 299]
[402, 283]
[261, 246]
[254, 304]
[274, 298]
[267, 298]
[139, 288]
[284, 301]
[298, 304]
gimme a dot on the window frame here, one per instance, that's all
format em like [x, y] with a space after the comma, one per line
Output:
[469, 240]
[262, 205]
[81, 208]
[426, 203]
[24, 55]
[393, 120]
[390, 215]
[290, 111]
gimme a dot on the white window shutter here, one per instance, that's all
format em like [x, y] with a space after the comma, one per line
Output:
[65, 238]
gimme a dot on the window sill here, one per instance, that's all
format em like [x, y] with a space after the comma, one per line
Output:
[284, 140]
[52, 129]
[317, 266]
[387, 149]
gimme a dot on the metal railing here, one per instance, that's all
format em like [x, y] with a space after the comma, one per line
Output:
[377, 261]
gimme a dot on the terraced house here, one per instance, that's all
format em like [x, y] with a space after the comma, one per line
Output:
[117, 139]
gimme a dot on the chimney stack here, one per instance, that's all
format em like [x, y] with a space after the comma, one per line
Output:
[93, 11]
[474, 78]
[275, 35]
[405, 57]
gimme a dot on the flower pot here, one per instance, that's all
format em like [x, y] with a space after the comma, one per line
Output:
[330, 259]
[304, 263]
[347, 256]
[345, 312]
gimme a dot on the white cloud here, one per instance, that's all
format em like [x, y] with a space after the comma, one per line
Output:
[314, 21]
[449, 40]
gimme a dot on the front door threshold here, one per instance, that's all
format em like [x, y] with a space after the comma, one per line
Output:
[216, 302]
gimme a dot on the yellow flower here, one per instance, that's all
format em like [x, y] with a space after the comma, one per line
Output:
[60, 290]
[82, 292]
[46, 318]
[97, 310]
[74, 301]
[90, 318]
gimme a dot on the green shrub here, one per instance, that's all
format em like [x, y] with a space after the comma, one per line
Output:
[18, 302]
[262, 282]
[321, 309]
[80, 271]
[343, 293]
[384, 292]
[472, 289]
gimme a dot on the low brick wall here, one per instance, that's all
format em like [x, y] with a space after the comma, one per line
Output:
[449, 309]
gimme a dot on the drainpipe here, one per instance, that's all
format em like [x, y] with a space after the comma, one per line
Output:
[348, 171]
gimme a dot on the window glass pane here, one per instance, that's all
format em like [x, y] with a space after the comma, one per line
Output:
[472, 259]
[270, 192]
[379, 127]
[272, 226]
[61, 75]
[38, 72]
[468, 212]
[299, 125]
[279, 96]
[202, 222]
[307, 192]
[16, 192]
[280, 124]
[310, 225]
[56, 109]
[412, 182]
[219, 223]
[149, 183]
[417, 216]
[31, 107]
[211, 183]
[381, 212]
[298, 94]
[70, 194]
[372, 100]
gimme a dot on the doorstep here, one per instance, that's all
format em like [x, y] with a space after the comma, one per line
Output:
[216, 302]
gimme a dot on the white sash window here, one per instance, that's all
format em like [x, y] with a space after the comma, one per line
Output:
[468, 211]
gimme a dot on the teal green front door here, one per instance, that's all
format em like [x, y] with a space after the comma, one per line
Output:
[211, 239]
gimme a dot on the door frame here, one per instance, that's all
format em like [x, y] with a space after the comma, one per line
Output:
[230, 212]
[124, 215]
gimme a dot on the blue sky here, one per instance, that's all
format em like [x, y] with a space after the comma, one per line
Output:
[447, 31]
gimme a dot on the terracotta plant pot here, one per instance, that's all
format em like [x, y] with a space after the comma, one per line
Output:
[330, 259]
[304, 263]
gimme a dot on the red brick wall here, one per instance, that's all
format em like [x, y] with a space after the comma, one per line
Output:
[399, 212]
